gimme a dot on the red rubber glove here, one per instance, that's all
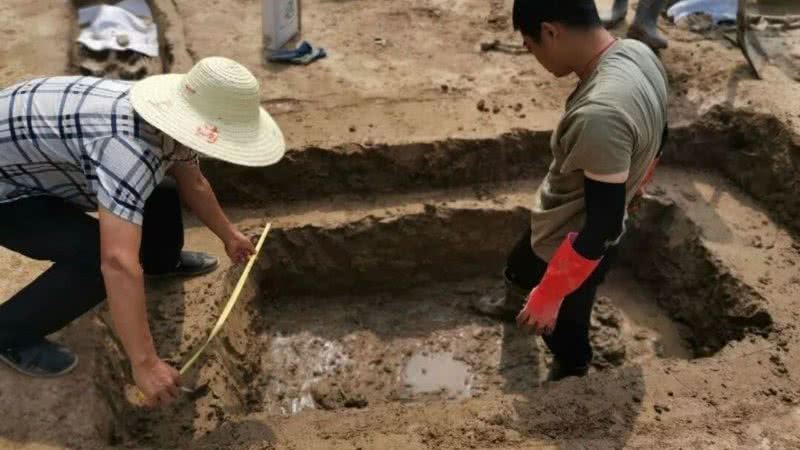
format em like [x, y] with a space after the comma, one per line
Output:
[566, 272]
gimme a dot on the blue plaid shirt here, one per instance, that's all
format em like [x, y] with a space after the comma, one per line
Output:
[78, 138]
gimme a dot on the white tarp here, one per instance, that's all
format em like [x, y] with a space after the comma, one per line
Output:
[719, 10]
[128, 25]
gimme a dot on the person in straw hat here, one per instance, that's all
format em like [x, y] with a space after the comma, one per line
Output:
[70, 145]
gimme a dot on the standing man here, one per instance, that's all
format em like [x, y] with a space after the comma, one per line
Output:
[604, 150]
[70, 145]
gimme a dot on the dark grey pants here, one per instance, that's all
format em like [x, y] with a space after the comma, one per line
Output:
[47, 228]
[569, 342]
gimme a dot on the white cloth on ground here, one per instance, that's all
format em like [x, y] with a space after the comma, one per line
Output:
[102, 24]
[719, 10]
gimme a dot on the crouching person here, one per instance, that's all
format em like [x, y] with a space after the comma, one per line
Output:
[71, 145]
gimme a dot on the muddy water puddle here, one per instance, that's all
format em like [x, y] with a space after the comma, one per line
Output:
[427, 373]
[353, 351]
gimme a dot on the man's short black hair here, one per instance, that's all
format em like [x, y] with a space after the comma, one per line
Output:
[529, 14]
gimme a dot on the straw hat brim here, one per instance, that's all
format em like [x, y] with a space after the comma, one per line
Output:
[257, 143]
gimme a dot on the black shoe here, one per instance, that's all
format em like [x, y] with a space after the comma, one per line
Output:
[42, 359]
[505, 307]
[191, 264]
[560, 371]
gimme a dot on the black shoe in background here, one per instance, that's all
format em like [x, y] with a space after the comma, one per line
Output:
[40, 359]
[191, 264]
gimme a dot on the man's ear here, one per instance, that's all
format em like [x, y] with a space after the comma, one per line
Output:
[549, 31]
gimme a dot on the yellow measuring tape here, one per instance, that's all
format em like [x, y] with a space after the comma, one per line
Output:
[139, 396]
[231, 302]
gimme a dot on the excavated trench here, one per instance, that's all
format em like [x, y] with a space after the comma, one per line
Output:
[367, 302]
[362, 297]
[377, 311]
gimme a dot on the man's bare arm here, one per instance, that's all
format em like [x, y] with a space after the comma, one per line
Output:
[124, 280]
[197, 194]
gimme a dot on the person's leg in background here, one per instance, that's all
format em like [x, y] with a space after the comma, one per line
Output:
[645, 26]
[47, 228]
[615, 15]
[569, 342]
[162, 237]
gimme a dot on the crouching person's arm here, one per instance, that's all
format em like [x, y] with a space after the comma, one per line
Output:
[124, 279]
[197, 194]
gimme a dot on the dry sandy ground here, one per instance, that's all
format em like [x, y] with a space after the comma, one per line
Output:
[395, 207]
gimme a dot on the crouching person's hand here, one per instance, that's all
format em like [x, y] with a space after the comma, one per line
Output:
[238, 247]
[158, 381]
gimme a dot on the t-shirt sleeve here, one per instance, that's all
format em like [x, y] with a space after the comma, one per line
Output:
[598, 140]
[127, 173]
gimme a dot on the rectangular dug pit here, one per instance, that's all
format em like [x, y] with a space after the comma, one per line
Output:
[346, 350]
[377, 310]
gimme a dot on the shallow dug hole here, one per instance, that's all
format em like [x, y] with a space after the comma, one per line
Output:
[377, 310]
[354, 350]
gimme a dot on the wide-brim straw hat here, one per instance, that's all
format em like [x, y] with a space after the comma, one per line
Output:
[215, 110]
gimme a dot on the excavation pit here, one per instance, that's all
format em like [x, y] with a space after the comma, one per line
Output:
[426, 343]
[361, 300]
[399, 193]
[374, 309]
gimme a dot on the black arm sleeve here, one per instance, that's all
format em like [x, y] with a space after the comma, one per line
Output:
[605, 213]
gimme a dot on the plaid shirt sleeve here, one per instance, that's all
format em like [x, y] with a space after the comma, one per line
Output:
[127, 173]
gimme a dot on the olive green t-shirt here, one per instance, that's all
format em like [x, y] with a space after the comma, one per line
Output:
[613, 122]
